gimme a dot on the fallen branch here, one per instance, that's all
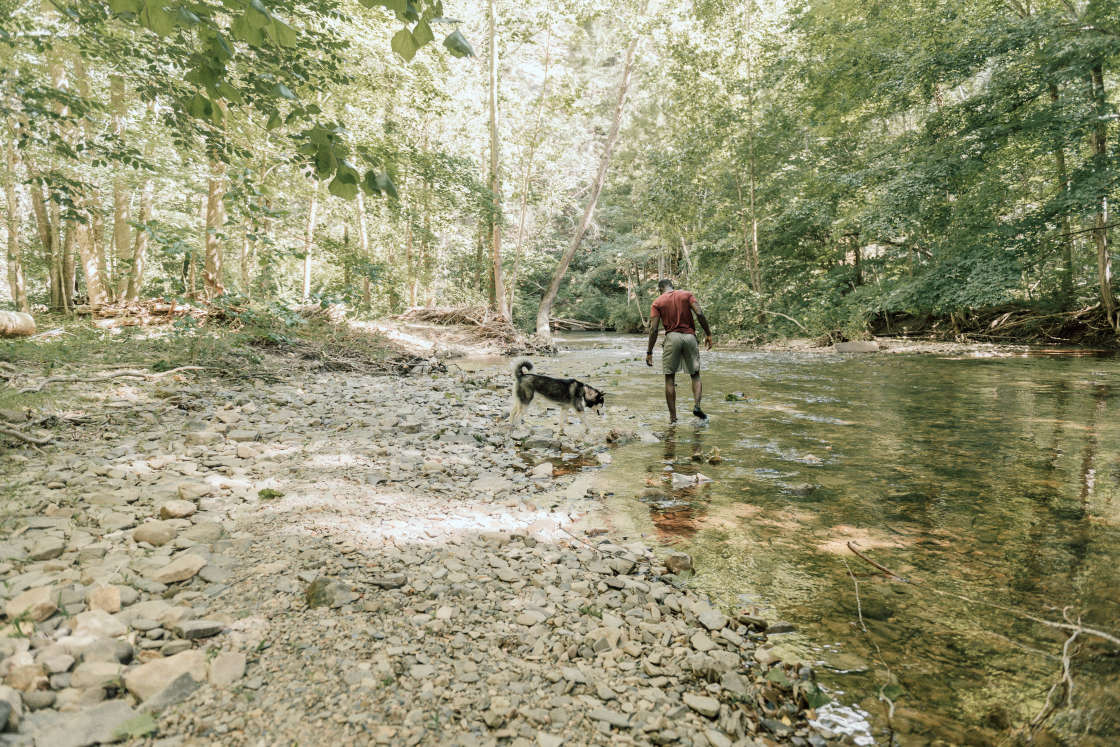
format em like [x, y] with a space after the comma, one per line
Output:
[786, 316]
[131, 374]
[25, 437]
[1076, 628]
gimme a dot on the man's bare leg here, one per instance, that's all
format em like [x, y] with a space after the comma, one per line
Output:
[697, 391]
[671, 396]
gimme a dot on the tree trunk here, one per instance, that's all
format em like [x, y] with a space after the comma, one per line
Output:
[140, 248]
[754, 269]
[499, 297]
[1062, 177]
[363, 248]
[1098, 138]
[15, 255]
[309, 241]
[121, 249]
[69, 274]
[86, 233]
[531, 151]
[215, 219]
[544, 314]
[410, 259]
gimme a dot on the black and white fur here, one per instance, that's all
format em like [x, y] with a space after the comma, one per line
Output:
[570, 392]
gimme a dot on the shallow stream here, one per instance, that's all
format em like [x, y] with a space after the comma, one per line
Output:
[992, 479]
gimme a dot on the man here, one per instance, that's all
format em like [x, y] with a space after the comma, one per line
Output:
[673, 309]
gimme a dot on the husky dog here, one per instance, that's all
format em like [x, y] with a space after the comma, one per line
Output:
[575, 394]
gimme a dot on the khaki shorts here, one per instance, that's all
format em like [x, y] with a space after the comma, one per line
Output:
[680, 351]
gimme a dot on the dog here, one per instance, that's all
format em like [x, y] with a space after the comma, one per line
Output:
[570, 392]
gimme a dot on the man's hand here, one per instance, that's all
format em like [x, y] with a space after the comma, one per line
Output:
[649, 359]
[707, 342]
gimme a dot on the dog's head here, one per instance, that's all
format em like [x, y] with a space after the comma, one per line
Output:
[593, 399]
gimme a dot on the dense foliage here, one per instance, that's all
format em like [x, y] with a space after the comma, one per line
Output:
[814, 166]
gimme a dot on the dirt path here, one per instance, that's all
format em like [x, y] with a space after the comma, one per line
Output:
[343, 559]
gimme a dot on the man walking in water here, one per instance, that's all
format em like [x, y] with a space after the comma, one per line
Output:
[674, 309]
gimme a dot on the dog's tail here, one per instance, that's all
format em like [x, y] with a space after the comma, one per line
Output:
[520, 366]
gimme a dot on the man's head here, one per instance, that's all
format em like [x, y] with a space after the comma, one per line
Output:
[664, 285]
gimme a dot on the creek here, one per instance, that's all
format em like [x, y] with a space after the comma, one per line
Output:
[991, 477]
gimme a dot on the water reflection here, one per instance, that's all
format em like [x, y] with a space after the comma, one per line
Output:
[996, 479]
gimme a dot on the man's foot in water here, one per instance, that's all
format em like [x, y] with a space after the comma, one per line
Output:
[699, 413]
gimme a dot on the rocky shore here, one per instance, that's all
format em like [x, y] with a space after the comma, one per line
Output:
[342, 559]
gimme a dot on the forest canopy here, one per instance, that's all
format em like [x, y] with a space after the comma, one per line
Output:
[812, 167]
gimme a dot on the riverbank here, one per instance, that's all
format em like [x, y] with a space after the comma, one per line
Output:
[327, 557]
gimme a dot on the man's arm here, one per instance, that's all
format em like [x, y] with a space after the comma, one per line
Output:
[654, 323]
[703, 322]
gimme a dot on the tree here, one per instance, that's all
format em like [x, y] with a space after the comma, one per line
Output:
[544, 314]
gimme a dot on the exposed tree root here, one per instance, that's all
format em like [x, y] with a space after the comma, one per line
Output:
[130, 374]
[25, 437]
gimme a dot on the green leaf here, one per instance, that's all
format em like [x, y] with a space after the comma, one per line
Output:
[410, 12]
[124, 6]
[258, 14]
[397, 5]
[228, 92]
[344, 189]
[199, 106]
[404, 45]
[186, 16]
[283, 92]
[324, 162]
[242, 30]
[154, 17]
[458, 45]
[284, 34]
[422, 34]
[274, 121]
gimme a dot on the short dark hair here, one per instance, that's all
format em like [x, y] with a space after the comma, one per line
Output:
[664, 284]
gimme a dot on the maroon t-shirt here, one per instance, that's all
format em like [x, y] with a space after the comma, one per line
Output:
[675, 310]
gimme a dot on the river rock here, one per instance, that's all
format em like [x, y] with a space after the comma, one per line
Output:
[195, 629]
[95, 674]
[156, 533]
[542, 471]
[105, 598]
[48, 548]
[678, 562]
[98, 624]
[702, 704]
[34, 604]
[11, 708]
[31, 677]
[327, 592]
[227, 668]
[176, 509]
[712, 619]
[148, 679]
[180, 569]
[96, 725]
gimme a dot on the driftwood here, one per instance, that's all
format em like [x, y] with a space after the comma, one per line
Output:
[482, 324]
[16, 324]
